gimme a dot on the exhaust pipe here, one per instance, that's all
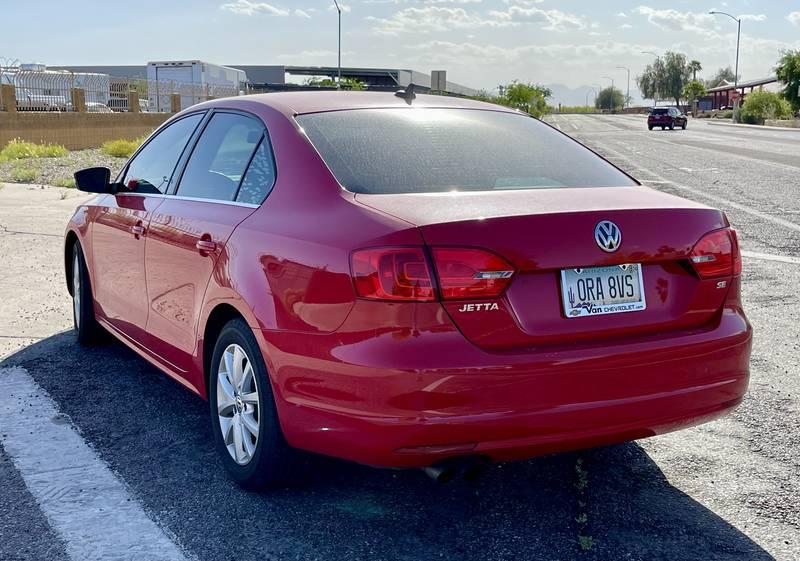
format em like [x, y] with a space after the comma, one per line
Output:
[441, 473]
[470, 467]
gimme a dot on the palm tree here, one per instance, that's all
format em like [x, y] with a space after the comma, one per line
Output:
[694, 68]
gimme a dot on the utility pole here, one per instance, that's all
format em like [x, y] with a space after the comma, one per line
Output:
[339, 10]
[627, 95]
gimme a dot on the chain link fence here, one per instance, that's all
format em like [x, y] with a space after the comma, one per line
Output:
[63, 91]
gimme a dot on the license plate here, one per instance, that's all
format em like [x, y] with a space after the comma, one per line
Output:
[595, 291]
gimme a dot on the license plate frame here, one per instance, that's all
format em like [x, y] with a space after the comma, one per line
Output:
[573, 306]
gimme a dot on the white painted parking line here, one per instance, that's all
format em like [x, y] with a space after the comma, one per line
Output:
[83, 500]
[771, 257]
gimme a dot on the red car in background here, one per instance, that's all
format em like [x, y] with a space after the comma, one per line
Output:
[407, 281]
[666, 118]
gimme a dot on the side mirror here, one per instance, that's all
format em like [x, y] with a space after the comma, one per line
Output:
[94, 180]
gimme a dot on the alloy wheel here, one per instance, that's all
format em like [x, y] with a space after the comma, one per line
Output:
[238, 404]
[76, 289]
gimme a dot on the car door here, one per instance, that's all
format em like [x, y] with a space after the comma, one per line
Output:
[226, 177]
[120, 229]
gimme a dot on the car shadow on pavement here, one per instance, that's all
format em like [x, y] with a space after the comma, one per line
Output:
[615, 501]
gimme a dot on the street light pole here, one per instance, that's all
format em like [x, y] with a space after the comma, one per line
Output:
[627, 95]
[339, 10]
[736, 72]
[655, 78]
[611, 99]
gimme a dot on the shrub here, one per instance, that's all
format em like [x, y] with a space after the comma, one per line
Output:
[760, 105]
[24, 174]
[21, 149]
[121, 148]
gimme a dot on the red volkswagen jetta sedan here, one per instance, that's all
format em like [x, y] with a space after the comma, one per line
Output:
[405, 281]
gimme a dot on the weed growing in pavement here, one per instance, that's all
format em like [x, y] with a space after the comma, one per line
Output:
[121, 148]
[585, 542]
[22, 149]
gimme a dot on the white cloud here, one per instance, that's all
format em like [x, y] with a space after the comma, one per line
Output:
[432, 18]
[753, 17]
[342, 6]
[622, 15]
[673, 20]
[626, 26]
[553, 20]
[248, 8]
[301, 13]
[794, 18]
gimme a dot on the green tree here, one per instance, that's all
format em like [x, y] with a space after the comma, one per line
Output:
[760, 105]
[676, 75]
[693, 90]
[609, 98]
[722, 75]
[788, 71]
[694, 68]
[665, 77]
[648, 81]
[528, 97]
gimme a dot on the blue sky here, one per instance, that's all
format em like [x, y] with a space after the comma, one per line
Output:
[481, 43]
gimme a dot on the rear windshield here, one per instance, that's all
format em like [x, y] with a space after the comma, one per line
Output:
[422, 150]
[660, 111]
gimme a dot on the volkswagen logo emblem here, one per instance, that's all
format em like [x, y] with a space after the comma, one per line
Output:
[608, 236]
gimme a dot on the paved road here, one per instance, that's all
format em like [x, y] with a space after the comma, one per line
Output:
[728, 490]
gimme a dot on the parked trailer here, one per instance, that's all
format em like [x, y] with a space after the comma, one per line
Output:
[194, 80]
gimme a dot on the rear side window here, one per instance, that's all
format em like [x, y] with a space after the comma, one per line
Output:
[220, 157]
[425, 150]
[151, 169]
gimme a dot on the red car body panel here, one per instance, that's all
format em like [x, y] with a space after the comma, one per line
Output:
[410, 383]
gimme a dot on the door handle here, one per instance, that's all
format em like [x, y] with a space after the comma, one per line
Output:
[206, 246]
[137, 231]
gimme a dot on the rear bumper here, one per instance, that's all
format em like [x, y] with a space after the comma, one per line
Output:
[406, 398]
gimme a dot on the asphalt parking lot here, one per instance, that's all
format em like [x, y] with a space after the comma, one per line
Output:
[723, 491]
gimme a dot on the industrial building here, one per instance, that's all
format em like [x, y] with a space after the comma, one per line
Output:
[281, 77]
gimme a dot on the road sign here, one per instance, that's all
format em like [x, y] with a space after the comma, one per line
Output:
[735, 95]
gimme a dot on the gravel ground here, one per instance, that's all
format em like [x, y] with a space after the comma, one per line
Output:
[58, 171]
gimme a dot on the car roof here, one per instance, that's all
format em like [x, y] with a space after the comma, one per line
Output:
[299, 103]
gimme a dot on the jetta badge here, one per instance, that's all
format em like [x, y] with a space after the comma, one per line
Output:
[608, 236]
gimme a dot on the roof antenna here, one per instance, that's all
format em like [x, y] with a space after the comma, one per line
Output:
[407, 94]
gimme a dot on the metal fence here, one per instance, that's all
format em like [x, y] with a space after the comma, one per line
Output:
[52, 90]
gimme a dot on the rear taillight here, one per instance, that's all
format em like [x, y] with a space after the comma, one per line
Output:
[465, 273]
[393, 273]
[405, 274]
[717, 255]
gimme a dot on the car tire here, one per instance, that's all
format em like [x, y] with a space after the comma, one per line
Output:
[649, 127]
[252, 446]
[83, 318]
[663, 128]
[672, 126]
[683, 126]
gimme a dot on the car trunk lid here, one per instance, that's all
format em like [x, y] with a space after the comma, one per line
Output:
[541, 232]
